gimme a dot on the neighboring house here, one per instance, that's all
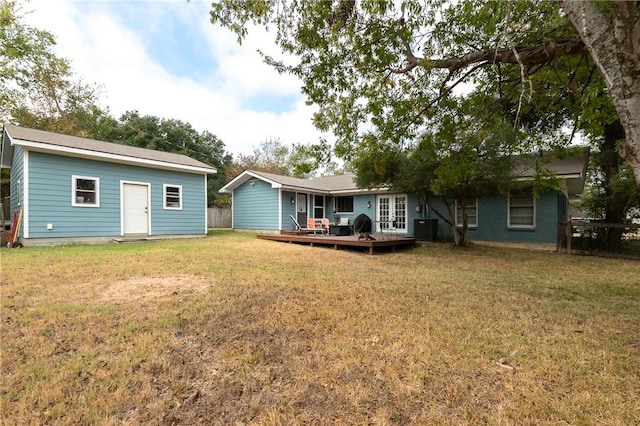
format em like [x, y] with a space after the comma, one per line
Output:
[73, 189]
[265, 201]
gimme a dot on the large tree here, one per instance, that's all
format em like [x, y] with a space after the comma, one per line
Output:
[385, 65]
[172, 135]
[611, 33]
[38, 88]
[274, 156]
[465, 157]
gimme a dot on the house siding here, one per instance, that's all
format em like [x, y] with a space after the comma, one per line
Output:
[17, 179]
[360, 206]
[288, 209]
[255, 206]
[50, 192]
[191, 219]
[493, 223]
[261, 207]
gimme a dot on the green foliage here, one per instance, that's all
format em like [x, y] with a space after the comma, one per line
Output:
[36, 84]
[172, 135]
[612, 194]
[39, 90]
[353, 57]
[385, 74]
[273, 156]
[461, 160]
[622, 191]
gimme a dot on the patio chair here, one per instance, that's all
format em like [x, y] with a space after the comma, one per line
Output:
[315, 225]
[325, 224]
[296, 225]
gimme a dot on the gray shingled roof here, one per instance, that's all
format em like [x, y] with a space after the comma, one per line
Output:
[573, 165]
[323, 183]
[573, 169]
[91, 145]
[337, 183]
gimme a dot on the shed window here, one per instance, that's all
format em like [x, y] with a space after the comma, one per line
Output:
[343, 204]
[173, 197]
[522, 209]
[472, 214]
[85, 191]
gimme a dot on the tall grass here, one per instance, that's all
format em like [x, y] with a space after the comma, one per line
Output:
[236, 330]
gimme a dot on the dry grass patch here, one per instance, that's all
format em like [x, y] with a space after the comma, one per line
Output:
[136, 289]
[235, 330]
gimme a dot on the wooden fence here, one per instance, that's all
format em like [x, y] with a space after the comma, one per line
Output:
[600, 239]
[218, 218]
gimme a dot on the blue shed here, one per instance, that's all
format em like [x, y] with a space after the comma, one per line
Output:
[73, 189]
[265, 202]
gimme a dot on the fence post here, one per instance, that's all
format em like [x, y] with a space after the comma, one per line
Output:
[569, 236]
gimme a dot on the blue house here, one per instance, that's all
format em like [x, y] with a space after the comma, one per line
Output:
[265, 202]
[73, 189]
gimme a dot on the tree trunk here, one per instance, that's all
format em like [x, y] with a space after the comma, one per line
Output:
[614, 45]
[458, 237]
[610, 164]
[615, 202]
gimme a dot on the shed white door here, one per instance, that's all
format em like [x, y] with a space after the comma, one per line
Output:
[135, 208]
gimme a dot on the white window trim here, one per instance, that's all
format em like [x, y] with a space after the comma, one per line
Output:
[164, 196]
[471, 225]
[511, 226]
[74, 188]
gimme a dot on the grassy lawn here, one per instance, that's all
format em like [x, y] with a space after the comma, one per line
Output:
[235, 330]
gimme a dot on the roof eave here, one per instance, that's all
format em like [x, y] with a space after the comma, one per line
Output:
[565, 176]
[6, 156]
[243, 178]
[358, 191]
[114, 158]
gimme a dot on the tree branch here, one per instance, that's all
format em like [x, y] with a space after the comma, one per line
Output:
[529, 55]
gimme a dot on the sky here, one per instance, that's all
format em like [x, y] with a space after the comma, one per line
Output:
[164, 58]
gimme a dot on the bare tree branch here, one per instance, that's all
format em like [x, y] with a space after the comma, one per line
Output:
[529, 55]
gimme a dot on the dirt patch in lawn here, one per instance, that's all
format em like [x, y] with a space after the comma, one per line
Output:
[152, 288]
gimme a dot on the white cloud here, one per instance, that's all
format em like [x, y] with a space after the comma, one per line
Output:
[104, 51]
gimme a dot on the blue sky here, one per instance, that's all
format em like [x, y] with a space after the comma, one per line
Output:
[164, 58]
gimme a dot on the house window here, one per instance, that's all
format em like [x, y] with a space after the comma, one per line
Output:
[472, 214]
[522, 209]
[343, 204]
[85, 191]
[318, 206]
[173, 197]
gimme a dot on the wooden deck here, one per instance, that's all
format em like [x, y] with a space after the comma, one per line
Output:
[337, 242]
